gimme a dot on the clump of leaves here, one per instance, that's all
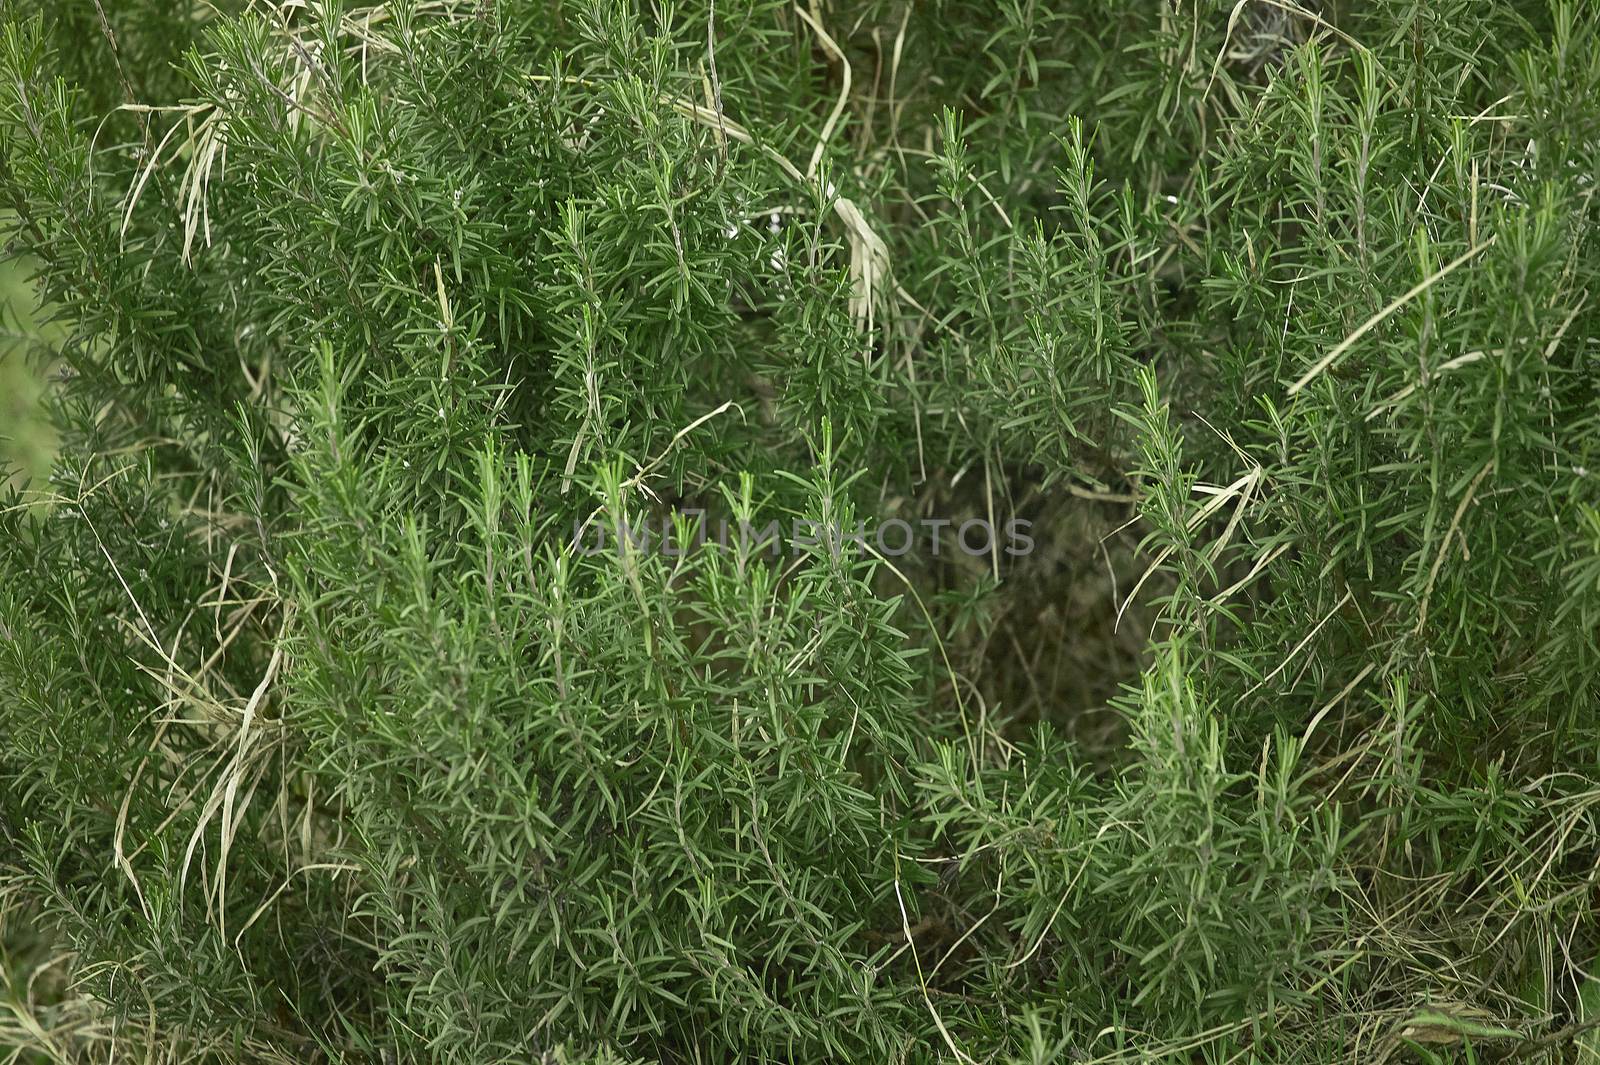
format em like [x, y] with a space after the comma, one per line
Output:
[324, 736]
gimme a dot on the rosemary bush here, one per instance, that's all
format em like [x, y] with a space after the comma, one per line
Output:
[328, 732]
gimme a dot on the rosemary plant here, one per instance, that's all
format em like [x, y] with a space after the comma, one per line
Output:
[853, 530]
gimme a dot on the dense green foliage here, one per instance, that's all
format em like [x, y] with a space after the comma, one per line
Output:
[321, 738]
